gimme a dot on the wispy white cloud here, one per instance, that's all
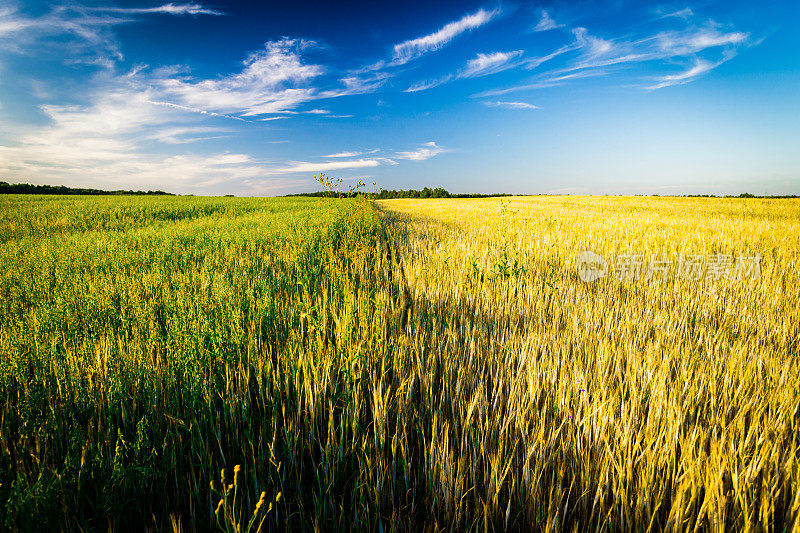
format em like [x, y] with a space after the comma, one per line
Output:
[485, 64]
[303, 166]
[692, 41]
[511, 105]
[700, 67]
[662, 46]
[201, 111]
[546, 23]
[428, 84]
[534, 62]
[117, 141]
[593, 46]
[352, 154]
[11, 22]
[126, 136]
[685, 45]
[87, 30]
[542, 82]
[272, 80]
[344, 154]
[106, 144]
[168, 9]
[186, 134]
[413, 48]
[86, 22]
[357, 83]
[426, 151]
[481, 65]
[685, 13]
[87, 36]
[700, 47]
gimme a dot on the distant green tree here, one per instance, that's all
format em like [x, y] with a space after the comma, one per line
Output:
[426, 192]
[26, 188]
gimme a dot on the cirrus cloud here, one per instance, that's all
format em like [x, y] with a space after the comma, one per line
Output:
[426, 151]
[413, 48]
[511, 105]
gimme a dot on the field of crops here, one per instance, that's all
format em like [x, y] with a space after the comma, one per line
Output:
[332, 364]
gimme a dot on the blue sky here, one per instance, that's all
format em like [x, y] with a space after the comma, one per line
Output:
[616, 97]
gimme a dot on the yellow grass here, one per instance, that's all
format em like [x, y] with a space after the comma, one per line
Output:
[626, 404]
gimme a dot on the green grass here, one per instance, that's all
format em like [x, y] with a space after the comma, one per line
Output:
[149, 343]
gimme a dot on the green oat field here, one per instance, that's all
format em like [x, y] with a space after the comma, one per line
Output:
[332, 364]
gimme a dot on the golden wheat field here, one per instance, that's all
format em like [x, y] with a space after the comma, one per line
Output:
[634, 402]
[402, 365]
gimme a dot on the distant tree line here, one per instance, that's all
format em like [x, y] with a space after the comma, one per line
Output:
[26, 188]
[385, 194]
[743, 195]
